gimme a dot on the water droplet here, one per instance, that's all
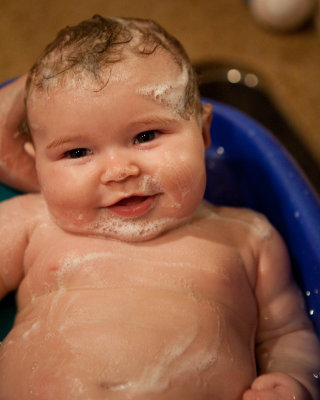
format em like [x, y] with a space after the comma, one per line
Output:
[296, 214]
[308, 293]
[311, 312]
[220, 150]
[316, 375]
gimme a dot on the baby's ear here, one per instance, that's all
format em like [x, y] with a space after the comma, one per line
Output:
[29, 149]
[206, 123]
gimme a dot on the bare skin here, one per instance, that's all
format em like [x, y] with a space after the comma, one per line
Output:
[195, 302]
[175, 323]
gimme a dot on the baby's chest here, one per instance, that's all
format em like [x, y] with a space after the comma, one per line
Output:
[205, 272]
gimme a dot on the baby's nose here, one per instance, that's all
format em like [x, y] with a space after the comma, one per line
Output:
[117, 172]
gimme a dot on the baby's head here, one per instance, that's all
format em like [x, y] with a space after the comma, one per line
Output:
[118, 131]
[85, 54]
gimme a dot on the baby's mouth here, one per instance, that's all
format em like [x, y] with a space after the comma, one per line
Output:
[133, 206]
[131, 201]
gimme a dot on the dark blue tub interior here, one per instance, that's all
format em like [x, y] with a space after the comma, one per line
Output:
[248, 167]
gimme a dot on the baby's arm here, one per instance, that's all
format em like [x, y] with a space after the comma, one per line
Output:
[287, 349]
[16, 166]
[14, 233]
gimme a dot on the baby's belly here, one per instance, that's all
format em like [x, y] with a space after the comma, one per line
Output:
[125, 343]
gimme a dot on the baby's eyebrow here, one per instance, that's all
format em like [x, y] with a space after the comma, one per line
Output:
[147, 122]
[61, 141]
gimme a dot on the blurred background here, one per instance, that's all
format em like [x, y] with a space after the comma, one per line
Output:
[247, 57]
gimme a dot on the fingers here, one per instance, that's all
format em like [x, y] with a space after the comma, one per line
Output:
[17, 168]
[12, 104]
[276, 386]
[261, 395]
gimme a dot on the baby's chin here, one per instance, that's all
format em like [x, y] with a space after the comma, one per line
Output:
[123, 229]
[135, 230]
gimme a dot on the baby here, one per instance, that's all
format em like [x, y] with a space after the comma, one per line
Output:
[129, 285]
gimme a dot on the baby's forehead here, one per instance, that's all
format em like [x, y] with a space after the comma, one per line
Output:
[154, 67]
[156, 77]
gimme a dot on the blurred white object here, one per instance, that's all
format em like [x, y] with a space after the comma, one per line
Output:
[282, 14]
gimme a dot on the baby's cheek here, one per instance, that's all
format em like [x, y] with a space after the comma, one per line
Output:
[65, 203]
[185, 180]
[64, 187]
[189, 173]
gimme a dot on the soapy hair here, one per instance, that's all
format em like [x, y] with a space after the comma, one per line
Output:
[87, 49]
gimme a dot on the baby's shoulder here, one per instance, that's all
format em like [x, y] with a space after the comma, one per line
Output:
[24, 206]
[242, 220]
[19, 216]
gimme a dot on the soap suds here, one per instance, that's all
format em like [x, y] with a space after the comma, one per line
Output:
[132, 230]
[33, 329]
[261, 227]
[72, 263]
[177, 360]
[149, 184]
[171, 93]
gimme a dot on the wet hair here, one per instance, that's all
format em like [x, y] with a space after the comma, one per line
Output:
[87, 50]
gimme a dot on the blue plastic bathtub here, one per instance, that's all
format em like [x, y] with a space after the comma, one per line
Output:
[247, 167]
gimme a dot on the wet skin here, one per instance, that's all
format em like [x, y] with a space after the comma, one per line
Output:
[151, 320]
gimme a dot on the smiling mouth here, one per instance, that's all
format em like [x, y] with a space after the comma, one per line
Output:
[133, 206]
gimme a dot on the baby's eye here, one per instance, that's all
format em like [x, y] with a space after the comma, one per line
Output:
[146, 136]
[78, 153]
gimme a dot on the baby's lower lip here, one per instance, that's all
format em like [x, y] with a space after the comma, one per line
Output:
[133, 206]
